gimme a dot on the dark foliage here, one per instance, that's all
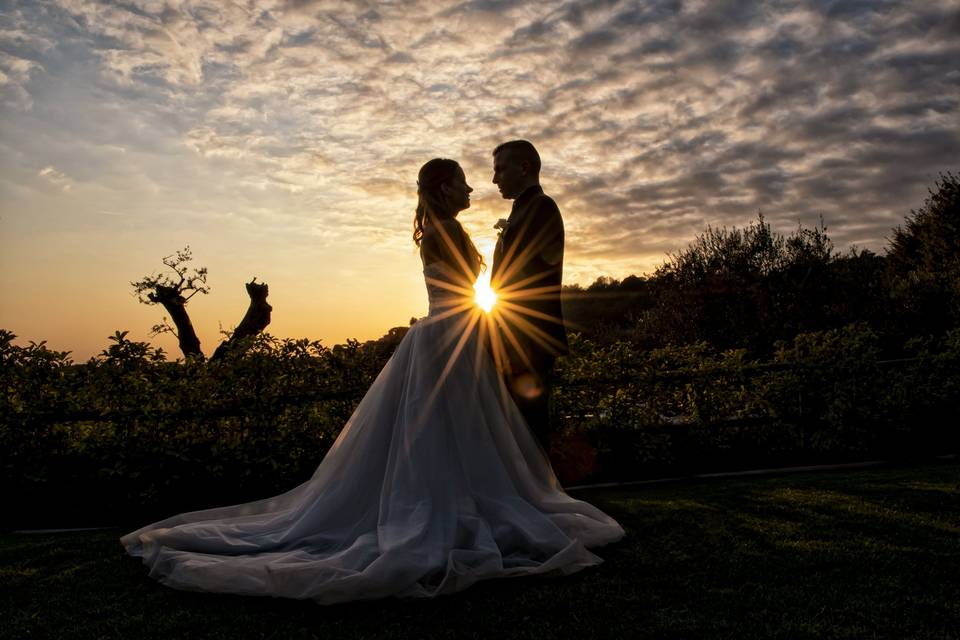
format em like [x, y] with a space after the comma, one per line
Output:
[744, 288]
[750, 288]
[128, 431]
[128, 436]
[823, 397]
[924, 261]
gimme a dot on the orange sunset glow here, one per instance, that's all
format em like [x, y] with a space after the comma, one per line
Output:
[281, 140]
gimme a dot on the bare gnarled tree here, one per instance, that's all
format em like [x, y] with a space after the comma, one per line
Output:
[173, 291]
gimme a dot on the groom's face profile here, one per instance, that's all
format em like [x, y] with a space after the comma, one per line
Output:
[509, 173]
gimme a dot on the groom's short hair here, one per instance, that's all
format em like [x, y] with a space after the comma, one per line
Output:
[523, 150]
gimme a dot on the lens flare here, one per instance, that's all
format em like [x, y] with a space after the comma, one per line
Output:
[484, 295]
[501, 316]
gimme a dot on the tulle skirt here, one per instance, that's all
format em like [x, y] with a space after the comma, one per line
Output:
[435, 482]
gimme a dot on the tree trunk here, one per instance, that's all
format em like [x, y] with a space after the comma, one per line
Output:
[254, 321]
[175, 303]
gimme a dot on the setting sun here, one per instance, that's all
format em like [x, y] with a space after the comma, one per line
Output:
[485, 296]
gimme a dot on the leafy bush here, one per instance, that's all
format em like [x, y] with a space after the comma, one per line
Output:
[825, 396]
[129, 436]
[128, 432]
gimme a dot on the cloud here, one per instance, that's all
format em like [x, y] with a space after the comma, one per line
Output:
[654, 118]
[14, 76]
[57, 178]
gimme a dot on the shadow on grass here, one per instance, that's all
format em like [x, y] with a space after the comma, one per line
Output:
[837, 555]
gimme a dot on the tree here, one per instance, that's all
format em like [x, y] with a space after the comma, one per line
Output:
[751, 287]
[717, 288]
[924, 259]
[173, 291]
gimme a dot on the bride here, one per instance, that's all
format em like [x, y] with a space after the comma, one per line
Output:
[434, 482]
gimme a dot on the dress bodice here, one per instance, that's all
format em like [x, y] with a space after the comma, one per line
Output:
[440, 297]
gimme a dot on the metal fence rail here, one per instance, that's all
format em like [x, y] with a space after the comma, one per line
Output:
[271, 405]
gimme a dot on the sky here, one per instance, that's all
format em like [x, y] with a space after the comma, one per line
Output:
[280, 139]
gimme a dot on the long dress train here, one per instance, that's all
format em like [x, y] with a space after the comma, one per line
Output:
[435, 482]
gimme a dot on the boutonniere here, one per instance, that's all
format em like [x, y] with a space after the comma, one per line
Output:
[501, 226]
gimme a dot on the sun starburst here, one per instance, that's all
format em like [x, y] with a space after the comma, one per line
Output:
[484, 295]
[494, 321]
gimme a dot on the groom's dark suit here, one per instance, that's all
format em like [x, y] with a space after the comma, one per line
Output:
[526, 273]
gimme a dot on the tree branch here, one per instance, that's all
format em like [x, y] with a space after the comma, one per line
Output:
[254, 321]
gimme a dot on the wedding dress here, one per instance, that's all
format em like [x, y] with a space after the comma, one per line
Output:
[435, 482]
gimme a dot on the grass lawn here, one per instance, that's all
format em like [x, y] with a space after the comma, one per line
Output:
[843, 554]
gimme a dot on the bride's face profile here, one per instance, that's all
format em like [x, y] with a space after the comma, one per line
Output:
[457, 192]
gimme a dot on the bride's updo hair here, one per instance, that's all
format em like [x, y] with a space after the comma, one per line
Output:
[433, 210]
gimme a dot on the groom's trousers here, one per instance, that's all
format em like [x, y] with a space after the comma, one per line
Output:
[531, 392]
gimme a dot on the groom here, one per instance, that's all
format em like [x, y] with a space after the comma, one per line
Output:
[526, 274]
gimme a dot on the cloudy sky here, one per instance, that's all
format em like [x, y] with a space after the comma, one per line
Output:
[281, 139]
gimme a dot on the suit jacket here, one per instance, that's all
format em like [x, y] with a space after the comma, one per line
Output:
[526, 273]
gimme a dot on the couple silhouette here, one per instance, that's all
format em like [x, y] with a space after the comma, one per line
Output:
[437, 479]
[526, 330]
